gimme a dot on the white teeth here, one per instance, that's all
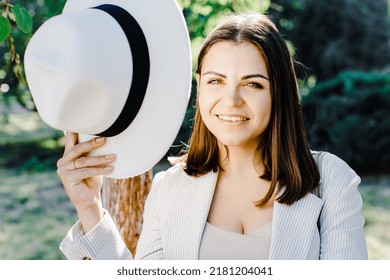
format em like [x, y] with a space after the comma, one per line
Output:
[232, 119]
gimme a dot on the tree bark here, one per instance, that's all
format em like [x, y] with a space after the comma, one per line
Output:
[124, 199]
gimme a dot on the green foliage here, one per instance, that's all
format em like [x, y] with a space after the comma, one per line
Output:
[5, 29]
[348, 116]
[23, 18]
[203, 15]
[332, 36]
[17, 14]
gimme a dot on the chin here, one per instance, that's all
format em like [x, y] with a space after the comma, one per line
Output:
[238, 140]
[229, 142]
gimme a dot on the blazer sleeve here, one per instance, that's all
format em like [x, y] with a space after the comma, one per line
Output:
[104, 242]
[341, 222]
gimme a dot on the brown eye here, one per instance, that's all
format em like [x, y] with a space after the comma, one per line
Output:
[214, 82]
[254, 85]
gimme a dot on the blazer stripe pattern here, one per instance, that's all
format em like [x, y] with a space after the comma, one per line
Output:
[326, 224]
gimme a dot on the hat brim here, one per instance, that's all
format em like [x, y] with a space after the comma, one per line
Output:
[158, 121]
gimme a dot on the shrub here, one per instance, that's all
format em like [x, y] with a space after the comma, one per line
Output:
[349, 116]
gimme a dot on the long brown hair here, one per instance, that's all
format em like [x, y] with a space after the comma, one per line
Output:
[284, 148]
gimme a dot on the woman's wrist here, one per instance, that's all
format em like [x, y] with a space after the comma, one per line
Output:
[90, 217]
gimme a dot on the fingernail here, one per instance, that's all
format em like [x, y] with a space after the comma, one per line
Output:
[110, 156]
[100, 139]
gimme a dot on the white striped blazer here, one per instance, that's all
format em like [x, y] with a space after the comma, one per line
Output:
[325, 225]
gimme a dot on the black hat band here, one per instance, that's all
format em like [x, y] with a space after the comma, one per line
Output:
[141, 68]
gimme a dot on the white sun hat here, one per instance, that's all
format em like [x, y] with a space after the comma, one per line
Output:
[114, 68]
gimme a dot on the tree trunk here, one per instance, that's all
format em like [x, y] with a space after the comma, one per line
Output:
[124, 199]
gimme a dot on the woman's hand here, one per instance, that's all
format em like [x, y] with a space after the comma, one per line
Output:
[81, 176]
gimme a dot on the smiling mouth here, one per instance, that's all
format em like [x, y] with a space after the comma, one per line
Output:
[232, 118]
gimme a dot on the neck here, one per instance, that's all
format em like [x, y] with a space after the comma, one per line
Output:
[239, 160]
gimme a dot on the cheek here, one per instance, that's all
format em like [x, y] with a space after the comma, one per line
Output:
[206, 104]
[263, 110]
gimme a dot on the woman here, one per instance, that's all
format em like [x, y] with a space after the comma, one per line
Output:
[248, 187]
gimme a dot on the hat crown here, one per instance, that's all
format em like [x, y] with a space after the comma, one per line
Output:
[71, 56]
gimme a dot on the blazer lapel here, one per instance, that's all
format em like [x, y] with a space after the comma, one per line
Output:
[188, 215]
[293, 227]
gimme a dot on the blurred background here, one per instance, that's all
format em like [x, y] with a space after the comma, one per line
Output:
[344, 50]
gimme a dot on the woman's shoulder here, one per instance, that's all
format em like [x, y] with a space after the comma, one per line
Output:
[175, 171]
[172, 177]
[335, 173]
[330, 163]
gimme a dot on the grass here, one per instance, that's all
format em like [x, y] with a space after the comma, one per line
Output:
[376, 211]
[35, 215]
[26, 143]
[35, 212]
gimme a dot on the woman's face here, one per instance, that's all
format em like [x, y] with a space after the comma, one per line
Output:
[234, 93]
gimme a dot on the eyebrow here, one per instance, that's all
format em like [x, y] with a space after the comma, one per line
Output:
[214, 73]
[243, 78]
[254, 76]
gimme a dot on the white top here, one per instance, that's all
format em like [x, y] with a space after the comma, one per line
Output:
[221, 244]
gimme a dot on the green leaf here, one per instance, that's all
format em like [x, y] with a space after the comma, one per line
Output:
[5, 29]
[23, 18]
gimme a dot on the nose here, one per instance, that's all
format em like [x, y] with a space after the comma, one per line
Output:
[232, 97]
